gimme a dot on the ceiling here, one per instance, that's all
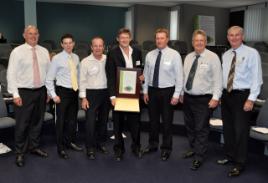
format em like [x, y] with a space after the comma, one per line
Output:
[167, 3]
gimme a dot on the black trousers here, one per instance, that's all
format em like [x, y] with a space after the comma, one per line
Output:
[29, 118]
[99, 105]
[159, 106]
[66, 112]
[196, 117]
[236, 125]
[132, 120]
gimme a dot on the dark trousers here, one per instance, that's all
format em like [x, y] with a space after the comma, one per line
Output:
[29, 119]
[236, 125]
[196, 117]
[132, 120]
[66, 112]
[99, 105]
[159, 106]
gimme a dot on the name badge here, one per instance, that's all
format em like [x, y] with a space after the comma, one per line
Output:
[167, 62]
[138, 62]
[203, 66]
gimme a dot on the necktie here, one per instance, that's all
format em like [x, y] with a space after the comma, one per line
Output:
[36, 72]
[189, 83]
[231, 74]
[156, 70]
[73, 74]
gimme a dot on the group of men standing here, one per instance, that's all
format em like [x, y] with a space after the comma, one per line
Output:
[201, 83]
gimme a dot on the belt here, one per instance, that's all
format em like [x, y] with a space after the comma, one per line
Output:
[198, 96]
[32, 89]
[237, 90]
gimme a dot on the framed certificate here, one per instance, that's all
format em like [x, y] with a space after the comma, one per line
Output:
[127, 89]
[128, 83]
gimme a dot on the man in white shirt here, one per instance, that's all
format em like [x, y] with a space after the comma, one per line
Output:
[202, 91]
[95, 98]
[26, 73]
[242, 80]
[64, 69]
[163, 85]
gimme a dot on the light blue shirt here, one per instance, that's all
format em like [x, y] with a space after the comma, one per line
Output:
[170, 71]
[59, 70]
[248, 71]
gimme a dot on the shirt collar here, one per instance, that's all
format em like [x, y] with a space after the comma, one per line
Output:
[201, 55]
[162, 50]
[30, 47]
[91, 57]
[239, 48]
[130, 50]
[67, 54]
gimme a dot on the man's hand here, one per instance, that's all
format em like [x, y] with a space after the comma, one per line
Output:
[17, 101]
[213, 103]
[141, 78]
[85, 104]
[113, 101]
[248, 106]
[181, 98]
[146, 98]
[56, 99]
[174, 101]
[48, 99]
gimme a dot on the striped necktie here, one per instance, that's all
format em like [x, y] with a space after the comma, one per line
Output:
[189, 83]
[73, 71]
[231, 74]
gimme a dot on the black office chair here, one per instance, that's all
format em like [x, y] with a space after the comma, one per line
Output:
[262, 121]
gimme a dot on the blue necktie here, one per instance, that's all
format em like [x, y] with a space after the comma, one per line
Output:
[156, 70]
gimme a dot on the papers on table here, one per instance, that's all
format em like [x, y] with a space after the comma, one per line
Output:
[215, 122]
[260, 130]
[4, 149]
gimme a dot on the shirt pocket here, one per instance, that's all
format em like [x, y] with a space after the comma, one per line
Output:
[204, 70]
[93, 71]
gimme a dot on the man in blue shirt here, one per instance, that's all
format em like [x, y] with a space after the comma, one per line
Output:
[64, 69]
[242, 80]
[163, 75]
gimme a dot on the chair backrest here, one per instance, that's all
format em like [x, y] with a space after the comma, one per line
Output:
[148, 45]
[264, 89]
[262, 119]
[3, 107]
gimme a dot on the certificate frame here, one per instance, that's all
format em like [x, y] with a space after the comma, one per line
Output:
[125, 75]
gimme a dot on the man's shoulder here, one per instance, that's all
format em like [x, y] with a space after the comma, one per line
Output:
[249, 49]
[42, 48]
[19, 48]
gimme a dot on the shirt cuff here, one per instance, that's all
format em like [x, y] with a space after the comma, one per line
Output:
[252, 97]
[176, 95]
[112, 97]
[145, 90]
[16, 95]
[215, 97]
[53, 94]
[82, 94]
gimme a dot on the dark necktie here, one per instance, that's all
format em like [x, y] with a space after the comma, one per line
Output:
[156, 70]
[192, 72]
[231, 74]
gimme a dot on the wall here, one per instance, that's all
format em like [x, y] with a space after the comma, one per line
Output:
[83, 21]
[188, 12]
[12, 20]
[147, 20]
